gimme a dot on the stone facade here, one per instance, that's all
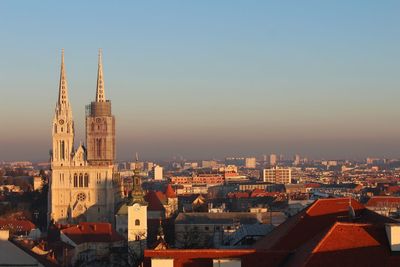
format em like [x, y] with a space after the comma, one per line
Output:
[83, 189]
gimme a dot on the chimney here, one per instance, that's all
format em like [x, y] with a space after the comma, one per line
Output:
[393, 235]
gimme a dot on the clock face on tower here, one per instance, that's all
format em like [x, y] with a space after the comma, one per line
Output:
[61, 122]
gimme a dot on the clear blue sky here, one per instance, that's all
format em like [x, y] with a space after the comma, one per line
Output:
[207, 79]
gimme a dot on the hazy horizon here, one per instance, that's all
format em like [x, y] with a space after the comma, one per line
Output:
[207, 79]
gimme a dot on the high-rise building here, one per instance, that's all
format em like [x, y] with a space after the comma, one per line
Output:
[157, 172]
[272, 159]
[277, 175]
[250, 163]
[82, 185]
[296, 160]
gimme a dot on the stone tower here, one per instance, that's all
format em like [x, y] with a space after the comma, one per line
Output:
[83, 190]
[63, 124]
[100, 125]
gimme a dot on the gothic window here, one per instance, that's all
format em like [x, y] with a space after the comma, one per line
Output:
[81, 197]
[80, 180]
[86, 181]
[62, 149]
[137, 222]
[137, 238]
[92, 126]
[98, 147]
[75, 180]
[55, 128]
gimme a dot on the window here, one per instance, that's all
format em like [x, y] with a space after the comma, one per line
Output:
[75, 180]
[62, 152]
[206, 228]
[80, 180]
[86, 181]
[81, 197]
[137, 222]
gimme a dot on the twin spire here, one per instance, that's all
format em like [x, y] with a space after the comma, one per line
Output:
[63, 87]
[100, 96]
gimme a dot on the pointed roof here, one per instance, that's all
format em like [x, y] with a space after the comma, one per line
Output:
[169, 192]
[63, 86]
[100, 94]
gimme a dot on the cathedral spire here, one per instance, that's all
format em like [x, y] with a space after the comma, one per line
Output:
[63, 87]
[100, 95]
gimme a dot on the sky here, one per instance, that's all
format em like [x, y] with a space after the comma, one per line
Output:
[207, 79]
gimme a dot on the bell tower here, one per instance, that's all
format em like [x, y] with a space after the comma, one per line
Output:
[63, 124]
[100, 125]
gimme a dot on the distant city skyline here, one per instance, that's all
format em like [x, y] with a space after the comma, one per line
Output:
[207, 79]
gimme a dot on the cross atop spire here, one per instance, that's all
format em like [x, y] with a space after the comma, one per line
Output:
[100, 95]
[63, 87]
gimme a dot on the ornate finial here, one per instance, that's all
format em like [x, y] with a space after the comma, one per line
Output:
[100, 95]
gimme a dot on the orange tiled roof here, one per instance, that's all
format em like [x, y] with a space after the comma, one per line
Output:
[86, 232]
[382, 200]
[155, 200]
[17, 225]
[169, 192]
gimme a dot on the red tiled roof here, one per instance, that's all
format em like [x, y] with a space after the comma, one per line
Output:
[204, 257]
[332, 205]
[353, 244]
[262, 193]
[154, 200]
[321, 235]
[377, 201]
[17, 225]
[169, 192]
[393, 189]
[92, 232]
[307, 224]
[312, 185]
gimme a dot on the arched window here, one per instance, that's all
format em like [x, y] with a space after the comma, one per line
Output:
[55, 128]
[80, 180]
[75, 180]
[137, 222]
[99, 147]
[86, 181]
[62, 150]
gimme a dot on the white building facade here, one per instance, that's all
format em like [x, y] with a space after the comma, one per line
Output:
[83, 186]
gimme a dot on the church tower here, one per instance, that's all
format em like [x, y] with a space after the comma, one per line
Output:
[100, 125]
[63, 124]
[137, 216]
[83, 185]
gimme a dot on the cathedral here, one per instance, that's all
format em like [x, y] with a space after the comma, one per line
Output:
[84, 185]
